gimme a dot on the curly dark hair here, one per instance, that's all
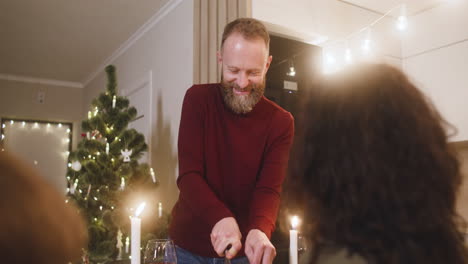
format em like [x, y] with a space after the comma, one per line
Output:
[376, 170]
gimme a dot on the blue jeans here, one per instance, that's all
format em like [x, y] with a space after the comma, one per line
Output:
[186, 257]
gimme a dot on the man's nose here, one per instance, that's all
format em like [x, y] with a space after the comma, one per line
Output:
[242, 81]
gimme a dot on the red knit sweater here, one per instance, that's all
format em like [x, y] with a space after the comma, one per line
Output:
[229, 165]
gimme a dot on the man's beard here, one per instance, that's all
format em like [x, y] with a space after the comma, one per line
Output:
[242, 104]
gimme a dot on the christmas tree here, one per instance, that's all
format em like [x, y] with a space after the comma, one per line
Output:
[105, 173]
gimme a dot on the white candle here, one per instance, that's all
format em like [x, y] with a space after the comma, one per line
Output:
[114, 99]
[122, 183]
[107, 148]
[127, 244]
[293, 258]
[89, 190]
[160, 210]
[119, 244]
[136, 234]
[73, 188]
[153, 177]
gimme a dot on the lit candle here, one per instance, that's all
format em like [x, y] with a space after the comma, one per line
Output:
[152, 175]
[114, 99]
[136, 234]
[127, 244]
[293, 241]
[107, 148]
[160, 209]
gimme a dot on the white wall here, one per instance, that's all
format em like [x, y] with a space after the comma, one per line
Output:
[435, 55]
[167, 51]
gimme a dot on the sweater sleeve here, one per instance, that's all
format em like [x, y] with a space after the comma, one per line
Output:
[194, 190]
[266, 197]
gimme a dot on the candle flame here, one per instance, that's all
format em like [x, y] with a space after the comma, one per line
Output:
[140, 209]
[294, 221]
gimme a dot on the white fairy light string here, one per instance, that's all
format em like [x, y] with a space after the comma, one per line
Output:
[338, 53]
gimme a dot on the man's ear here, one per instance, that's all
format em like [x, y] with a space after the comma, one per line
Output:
[219, 56]
[268, 63]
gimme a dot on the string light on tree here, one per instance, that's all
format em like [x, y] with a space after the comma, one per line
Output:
[402, 21]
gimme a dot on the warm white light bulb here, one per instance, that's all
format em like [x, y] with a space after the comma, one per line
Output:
[366, 45]
[348, 56]
[330, 59]
[292, 72]
[402, 23]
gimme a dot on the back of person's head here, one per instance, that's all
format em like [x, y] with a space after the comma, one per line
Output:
[36, 225]
[377, 172]
[249, 28]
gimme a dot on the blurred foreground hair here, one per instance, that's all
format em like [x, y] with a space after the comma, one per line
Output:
[36, 225]
[377, 173]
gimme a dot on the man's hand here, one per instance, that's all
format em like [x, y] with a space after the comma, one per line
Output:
[226, 232]
[258, 248]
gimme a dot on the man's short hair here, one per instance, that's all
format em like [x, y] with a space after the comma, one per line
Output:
[249, 28]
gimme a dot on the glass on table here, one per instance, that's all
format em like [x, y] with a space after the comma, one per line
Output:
[160, 251]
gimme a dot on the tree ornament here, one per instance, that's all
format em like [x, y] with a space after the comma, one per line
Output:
[126, 154]
[76, 165]
[96, 134]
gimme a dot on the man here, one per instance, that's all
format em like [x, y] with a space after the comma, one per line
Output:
[233, 153]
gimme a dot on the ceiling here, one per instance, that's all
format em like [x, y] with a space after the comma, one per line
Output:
[68, 40]
[383, 6]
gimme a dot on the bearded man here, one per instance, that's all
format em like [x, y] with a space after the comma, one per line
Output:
[233, 153]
